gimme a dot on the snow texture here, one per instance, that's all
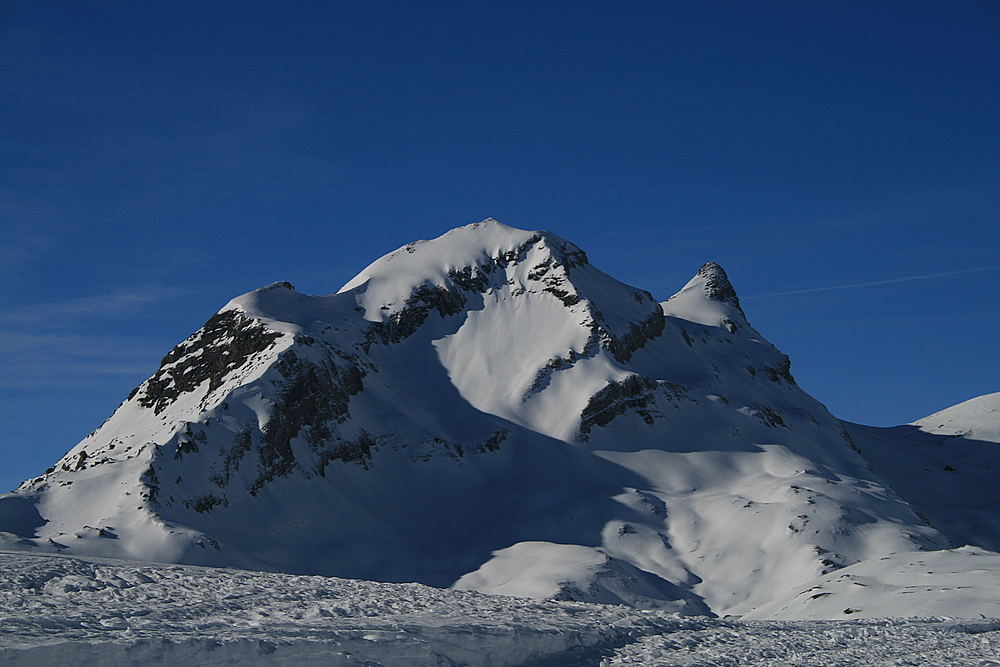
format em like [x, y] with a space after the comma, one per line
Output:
[63, 610]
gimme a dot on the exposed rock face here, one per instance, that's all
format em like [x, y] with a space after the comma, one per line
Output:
[633, 393]
[226, 342]
[405, 322]
[639, 333]
[717, 285]
[312, 398]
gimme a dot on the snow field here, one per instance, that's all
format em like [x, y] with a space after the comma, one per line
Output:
[62, 610]
[71, 611]
[881, 643]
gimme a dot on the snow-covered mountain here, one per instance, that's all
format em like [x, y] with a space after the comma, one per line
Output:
[488, 411]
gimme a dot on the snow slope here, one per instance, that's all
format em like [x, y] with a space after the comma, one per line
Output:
[465, 404]
[963, 583]
[947, 466]
[975, 419]
[61, 610]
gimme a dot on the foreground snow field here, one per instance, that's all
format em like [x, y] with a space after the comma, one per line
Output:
[73, 611]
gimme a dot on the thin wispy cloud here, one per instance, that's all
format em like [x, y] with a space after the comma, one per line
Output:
[110, 304]
[50, 346]
[874, 283]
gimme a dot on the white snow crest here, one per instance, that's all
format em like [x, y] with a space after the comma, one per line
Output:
[975, 419]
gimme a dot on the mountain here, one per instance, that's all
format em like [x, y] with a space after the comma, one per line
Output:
[489, 411]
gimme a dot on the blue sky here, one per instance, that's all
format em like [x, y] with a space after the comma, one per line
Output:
[841, 160]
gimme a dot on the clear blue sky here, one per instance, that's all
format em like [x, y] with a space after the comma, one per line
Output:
[839, 159]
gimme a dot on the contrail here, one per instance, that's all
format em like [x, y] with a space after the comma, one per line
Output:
[874, 283]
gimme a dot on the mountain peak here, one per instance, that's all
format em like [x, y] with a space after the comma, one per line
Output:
[716, 284]
[429, 261]
[708, 298]
[472, 257]
[488, 222]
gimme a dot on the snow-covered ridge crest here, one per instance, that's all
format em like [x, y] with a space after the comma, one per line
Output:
[489, 260]
[946, 465]
[461, 248]
[978, 418]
